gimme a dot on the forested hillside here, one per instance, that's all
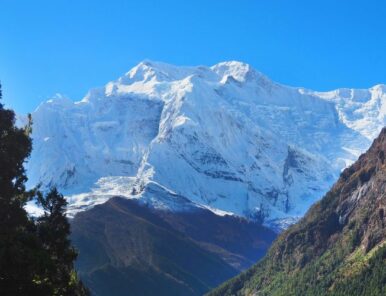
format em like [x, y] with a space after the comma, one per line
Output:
[338, 248]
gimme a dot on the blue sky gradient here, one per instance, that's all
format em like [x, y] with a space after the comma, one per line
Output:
[68, 47]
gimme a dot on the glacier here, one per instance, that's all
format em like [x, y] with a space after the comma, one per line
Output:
[225, 137]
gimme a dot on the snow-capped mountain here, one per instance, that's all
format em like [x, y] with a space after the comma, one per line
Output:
[224, 137]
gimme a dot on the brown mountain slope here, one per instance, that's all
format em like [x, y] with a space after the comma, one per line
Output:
[338, 248]
[129, 249]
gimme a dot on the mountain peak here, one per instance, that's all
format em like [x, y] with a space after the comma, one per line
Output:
[144, 71]
[147, 70]
[379, 87]
[150, 70]
[240, 71]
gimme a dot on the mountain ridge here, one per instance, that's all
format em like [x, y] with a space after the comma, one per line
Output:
[125, 246]
[227, 131]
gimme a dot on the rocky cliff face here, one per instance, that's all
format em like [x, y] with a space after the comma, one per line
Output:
[224, 137]
[338, 248]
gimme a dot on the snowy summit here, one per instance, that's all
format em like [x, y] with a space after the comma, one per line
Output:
[224, 137]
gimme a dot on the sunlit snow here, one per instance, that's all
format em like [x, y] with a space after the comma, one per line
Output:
[224, 137]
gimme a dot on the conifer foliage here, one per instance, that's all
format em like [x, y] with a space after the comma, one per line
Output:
[36, 257]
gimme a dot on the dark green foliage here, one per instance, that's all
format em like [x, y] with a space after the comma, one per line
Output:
[35, 256]
[53, 230]
[373, 275]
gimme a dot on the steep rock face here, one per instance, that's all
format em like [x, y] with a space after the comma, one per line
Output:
[225, 137]
[127, 247]
[338, 248]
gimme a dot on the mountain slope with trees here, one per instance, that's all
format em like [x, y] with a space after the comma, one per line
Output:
[338, 248]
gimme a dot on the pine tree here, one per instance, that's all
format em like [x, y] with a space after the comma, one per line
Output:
[17, 241]
[53, 230]
[30, 258]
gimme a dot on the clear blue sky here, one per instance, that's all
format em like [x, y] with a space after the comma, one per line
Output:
[68, 47]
